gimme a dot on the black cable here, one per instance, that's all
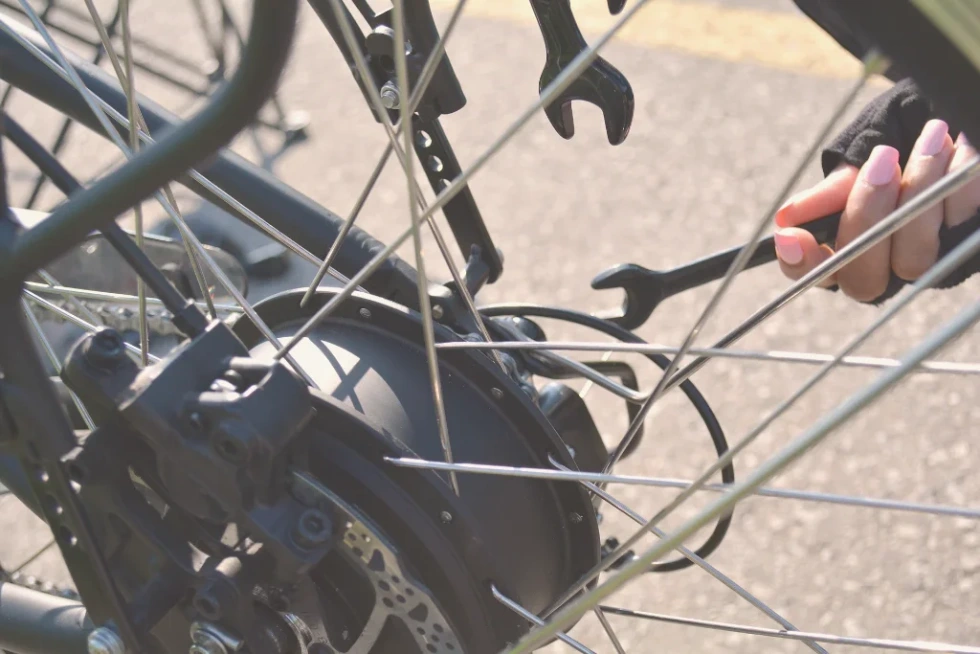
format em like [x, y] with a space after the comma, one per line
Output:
[690, 390]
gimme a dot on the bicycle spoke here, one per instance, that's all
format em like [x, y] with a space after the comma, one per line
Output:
[549, 474]
[948, 185]
[52, 283]
[790, 453]
[406, 162]
[129, 86]
[938, 272]
[771, 356]
[189, 237]
[425, 306]
[53, 358]
[873, 63]
[727, 581]
[601, 617]
[87, 326]
[876, 643]
[136, 124]
[533, 619]
[425, 77]
[346, 227]
[230, 202]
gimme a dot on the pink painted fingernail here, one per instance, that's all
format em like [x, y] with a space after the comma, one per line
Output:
[933, 138]
[788, 248]
[880, 168]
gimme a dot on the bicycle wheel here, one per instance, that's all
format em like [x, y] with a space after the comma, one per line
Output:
[534, 469]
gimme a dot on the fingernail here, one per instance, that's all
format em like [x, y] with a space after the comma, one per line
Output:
[933, 138]
[880, 167]
[788, 248]
[786, 205]
[962, 140]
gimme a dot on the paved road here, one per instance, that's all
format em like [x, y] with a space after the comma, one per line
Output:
[728, 94]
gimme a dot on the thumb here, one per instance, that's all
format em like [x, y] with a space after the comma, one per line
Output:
[825, 197]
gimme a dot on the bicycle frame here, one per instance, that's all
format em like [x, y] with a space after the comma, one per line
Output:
[35, 437]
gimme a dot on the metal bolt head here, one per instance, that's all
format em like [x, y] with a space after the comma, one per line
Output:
[438, 312]
[497, 393]
[312, 529]
[365, 313]
[105, 349]
[446, 517]
[105, 641]
[390, 97]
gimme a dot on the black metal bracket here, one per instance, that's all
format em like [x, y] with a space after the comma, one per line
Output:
[442, 96]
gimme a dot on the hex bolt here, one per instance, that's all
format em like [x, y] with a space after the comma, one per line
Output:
[390, 98]
[312, 529]
[208, 638]
[105, 350]
[105, 641]
[438, 312]
[365, 313]
[446, 517]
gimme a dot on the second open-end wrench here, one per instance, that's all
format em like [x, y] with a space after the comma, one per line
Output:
[600, 84]
[645, 289]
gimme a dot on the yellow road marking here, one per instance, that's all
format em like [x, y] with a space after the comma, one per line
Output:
[780, 40]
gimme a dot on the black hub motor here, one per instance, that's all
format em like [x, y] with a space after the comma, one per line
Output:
[530, 539]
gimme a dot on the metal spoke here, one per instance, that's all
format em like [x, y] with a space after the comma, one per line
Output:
[348, 223]
[665, 482]
[876, 643]
[189, 237]
[771, 356]
[695, 559]
[136, 124]
[428, 327]
[406, 162]
[87, 326]
[52, 283]
[938, 272]
[873, 63]
[230, 202]
[428, 70]
[898, 218]
[533, 619]
[724, 504]
[547, 95]
[601, 617]
[120, 298]
[55, 362]
[129, 86]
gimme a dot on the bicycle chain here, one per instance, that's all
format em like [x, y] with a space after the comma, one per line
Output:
[121, 318]
[32, 582]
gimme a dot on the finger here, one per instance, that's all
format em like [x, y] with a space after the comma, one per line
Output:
[915, 247]
[799, 253]
[960, 206]
[827, 196]
[874, 196]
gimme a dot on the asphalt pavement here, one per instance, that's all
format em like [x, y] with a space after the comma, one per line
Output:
[729, 94]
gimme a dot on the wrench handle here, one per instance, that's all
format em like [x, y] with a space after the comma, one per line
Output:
[714, 267]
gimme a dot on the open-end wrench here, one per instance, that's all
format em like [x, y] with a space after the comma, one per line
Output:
[645, 289]
[600, 84]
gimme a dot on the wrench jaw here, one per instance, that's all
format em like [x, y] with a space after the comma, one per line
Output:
[601, 85]
[643, 294]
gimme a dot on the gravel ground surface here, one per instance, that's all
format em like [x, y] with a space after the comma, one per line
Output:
[713, 138]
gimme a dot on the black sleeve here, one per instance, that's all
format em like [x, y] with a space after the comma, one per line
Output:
[895, 118]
